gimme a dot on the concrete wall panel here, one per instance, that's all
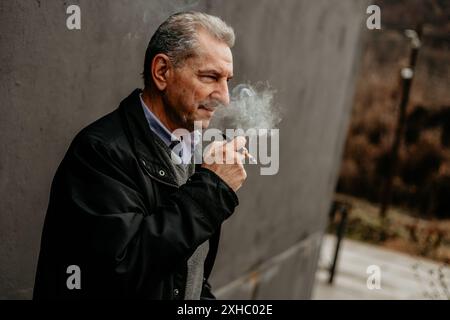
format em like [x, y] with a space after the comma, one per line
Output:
[54, 81]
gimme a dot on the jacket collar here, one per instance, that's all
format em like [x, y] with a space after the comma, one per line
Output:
[142, 139]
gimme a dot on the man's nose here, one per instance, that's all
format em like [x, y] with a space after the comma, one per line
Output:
[221, 93]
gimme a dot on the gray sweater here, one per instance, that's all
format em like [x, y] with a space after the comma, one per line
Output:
[194, 281]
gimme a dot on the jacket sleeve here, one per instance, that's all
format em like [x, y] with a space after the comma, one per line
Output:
[118, 226]
[207, 291]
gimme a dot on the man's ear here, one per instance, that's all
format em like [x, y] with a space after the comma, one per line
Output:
[160, 70]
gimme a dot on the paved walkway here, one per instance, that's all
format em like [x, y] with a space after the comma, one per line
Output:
[402, 276]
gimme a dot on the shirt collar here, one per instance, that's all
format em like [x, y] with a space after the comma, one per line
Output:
[161, 130]
[157, 126]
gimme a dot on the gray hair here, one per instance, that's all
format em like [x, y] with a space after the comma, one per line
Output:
[176, 37]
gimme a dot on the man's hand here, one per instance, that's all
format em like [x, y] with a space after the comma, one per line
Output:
[223, 159]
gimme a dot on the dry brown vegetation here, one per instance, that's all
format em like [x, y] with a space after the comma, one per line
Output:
[429, 238]
[422, 181]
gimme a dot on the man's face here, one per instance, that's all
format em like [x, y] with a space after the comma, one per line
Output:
[199, 84]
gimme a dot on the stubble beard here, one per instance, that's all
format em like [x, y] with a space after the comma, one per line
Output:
[177, 116]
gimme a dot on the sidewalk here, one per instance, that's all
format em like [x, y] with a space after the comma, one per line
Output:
[402, 276]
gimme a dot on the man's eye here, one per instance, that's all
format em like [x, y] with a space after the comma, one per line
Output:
[210, 78]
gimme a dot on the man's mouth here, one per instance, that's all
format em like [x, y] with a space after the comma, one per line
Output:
[207, 108]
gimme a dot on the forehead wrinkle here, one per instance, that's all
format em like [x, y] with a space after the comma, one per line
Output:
[216, 54]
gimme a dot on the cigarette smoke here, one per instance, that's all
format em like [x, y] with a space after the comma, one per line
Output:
[251, 107]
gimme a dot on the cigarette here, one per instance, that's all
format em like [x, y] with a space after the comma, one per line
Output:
[245, 152]
[242, 151]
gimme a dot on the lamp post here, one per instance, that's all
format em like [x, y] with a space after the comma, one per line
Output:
[407, 75]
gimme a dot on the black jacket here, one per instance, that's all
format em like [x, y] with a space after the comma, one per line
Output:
[116, 212]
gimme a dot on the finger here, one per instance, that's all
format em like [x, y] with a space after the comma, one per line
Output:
[244, 173]
[248, 155]
[214, 147]
[240, 157]
[237, 143]
[219, 144]
[244, 151]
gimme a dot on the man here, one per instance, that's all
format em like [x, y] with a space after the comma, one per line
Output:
[125, 221]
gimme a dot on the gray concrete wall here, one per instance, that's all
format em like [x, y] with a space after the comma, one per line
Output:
[308, 50]
[54, 81]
